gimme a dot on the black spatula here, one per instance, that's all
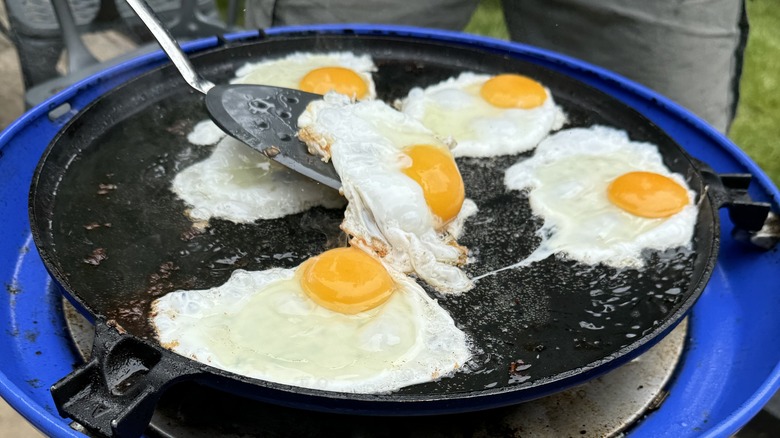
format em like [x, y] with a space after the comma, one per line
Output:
[263, 117]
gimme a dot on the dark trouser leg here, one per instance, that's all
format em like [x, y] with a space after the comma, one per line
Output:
[690, 51]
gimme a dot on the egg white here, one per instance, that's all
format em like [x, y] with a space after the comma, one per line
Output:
[567, 179]
[455, 108]
[239, 184]
[386, 212]
[262, 325]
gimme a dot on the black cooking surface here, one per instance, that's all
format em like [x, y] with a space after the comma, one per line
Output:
[120, 237]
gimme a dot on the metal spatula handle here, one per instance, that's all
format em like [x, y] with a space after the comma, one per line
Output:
[170, 46]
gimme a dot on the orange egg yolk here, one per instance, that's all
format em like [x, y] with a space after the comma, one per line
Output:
[346, 280]
[647, 194]
[513, 91]
[338, 79]
[434, 169]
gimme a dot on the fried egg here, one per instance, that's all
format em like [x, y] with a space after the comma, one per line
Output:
[239, 184]
[278, 325]
[604, 198]
[342, 72]
[406, 199]
[487, 115]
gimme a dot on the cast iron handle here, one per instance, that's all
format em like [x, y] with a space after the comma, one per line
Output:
[753, 221]
[116, 391]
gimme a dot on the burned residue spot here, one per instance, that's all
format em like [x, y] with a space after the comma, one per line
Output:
[515, 367]
[12, 288]
[116, 326]
[134, 311]
[104, 189]
[38, 353]
[159, 282]
[31, 335]
[191, 233]
[97, 256]
[157, 289]
[35, 383]
[166, 269]
[24, 249]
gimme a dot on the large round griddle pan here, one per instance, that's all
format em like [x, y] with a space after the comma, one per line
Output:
[114, 237]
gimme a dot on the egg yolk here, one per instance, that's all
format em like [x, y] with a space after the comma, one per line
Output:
[647, 194]
[338, 79]
[346, 280]
[434, 169]
[513, 91]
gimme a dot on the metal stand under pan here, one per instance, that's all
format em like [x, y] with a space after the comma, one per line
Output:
[605, 406]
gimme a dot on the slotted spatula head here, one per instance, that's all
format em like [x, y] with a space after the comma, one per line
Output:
[265, 118]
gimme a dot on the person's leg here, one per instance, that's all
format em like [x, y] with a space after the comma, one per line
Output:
[690, 51]
[444, 14]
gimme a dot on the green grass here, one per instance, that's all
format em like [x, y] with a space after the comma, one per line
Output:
[757, 126]
[488, 20]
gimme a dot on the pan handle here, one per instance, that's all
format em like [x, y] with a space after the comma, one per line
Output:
[116, 391]
[754, 222]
